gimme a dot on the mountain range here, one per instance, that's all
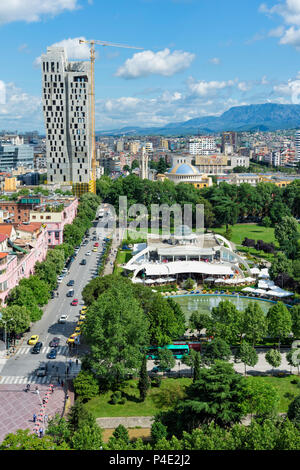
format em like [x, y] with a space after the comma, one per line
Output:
[254, 117]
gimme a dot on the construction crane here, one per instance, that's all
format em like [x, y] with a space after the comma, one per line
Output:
[93, 42]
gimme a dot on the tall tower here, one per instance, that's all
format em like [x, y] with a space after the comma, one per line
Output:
[297, 146]
[67, 115]
[144, 173]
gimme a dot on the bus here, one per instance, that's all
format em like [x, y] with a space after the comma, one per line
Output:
[178, 350]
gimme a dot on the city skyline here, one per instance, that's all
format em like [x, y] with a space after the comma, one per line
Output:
[199, 59]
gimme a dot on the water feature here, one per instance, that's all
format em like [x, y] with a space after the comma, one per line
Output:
[205, 303]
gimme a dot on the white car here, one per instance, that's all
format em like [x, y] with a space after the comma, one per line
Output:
[88, 253]
[59, 280]
[63, 319]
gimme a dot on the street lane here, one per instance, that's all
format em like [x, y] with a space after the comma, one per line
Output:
[23, 363]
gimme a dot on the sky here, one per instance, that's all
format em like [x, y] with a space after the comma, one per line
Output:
[197, 57]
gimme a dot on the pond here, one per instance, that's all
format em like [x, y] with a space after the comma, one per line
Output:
[205, 303]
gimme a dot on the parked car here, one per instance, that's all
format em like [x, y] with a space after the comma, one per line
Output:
[83, 262]
[88, 253]
[34, 339]
[71, 282]
[54, 343]
[52, 295]
[63, 319]
[74, 302]
[96, 244]
[37, 348]
[52, 354]
[70, 293]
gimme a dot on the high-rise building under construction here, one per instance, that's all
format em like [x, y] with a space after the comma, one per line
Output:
[67, 113]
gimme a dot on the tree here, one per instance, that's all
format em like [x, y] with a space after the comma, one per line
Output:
[189, 284]
[217, 349]
[216, 397]
[273, 357]
[293, 358]
[158, 431]
[121, 434]
[86, 385]
[15, 319]
[39, 288]
[279, 321]
[166, 359]
[247, 354]
[197, 367]
[116, 329]
[293, 413]
[226, 322]
[280, 265]
[23, 439]
[286, 233]
[24, 297]
[254, 324]
[295, 314]
[262, 398]
[87, 437]
[266, 222]
[144, 382]
[199, 321]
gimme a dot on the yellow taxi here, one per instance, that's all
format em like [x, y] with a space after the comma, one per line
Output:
[71, 338]
[95, 249]
[80, 322]
[83, 310]
[82, 318]
[34, 339]
[77, 330]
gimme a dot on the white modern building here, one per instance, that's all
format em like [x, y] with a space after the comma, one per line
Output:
[66, 106]
[186, 255]
[202, 146]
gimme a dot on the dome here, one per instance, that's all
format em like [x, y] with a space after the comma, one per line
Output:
[184, 169]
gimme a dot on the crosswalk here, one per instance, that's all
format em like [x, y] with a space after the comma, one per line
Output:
[61, 350]
[31, 379]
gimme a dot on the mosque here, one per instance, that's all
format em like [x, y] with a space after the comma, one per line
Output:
[183, 171]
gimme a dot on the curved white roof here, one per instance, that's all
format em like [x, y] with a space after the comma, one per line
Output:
[182, 267]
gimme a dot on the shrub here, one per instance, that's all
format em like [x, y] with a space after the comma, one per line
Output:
[115, 397]
[156, 382]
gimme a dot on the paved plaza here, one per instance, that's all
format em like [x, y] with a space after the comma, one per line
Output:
[17, 406]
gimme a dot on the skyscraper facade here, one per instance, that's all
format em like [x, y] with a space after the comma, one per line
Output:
[67, 115]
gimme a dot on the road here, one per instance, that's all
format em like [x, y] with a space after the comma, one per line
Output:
[22, 366]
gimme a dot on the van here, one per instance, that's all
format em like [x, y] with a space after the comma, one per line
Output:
[70, 293]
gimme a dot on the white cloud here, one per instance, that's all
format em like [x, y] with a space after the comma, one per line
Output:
[291, 36]
[203, 88]
[20, 110]
[33, 10]
[291, 89]
[73, 48]
[164, 62]
[2, 92]
[215, 60]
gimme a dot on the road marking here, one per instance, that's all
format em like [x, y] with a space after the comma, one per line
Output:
[17, 380]
[61, 350]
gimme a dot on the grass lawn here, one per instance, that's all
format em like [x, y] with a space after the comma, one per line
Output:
[162, 398]
[283, 385]
[101, 408]
[253, 231]
[123, 256]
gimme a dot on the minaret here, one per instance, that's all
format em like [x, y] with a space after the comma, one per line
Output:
[144, 173]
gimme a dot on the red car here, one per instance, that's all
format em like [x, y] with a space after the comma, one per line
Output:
[96, 244]
[74, 302]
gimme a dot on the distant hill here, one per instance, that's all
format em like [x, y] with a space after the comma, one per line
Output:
[254, 117]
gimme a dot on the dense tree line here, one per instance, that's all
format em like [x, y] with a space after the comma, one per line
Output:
[224, 203]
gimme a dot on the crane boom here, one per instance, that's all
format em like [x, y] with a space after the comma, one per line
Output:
[93, 42]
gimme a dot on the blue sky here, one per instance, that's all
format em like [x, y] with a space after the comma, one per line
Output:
[199, 57]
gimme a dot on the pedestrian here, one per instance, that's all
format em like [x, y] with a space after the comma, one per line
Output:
[27, 387]
[37, 390]
[76, 362]
[41, 431]
[45, 418]
[68, 370]
[34, 417]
